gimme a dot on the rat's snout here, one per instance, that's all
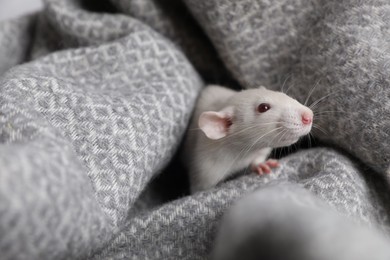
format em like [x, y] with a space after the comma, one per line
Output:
[307, 117]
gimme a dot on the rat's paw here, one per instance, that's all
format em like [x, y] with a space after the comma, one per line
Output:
[265, 167]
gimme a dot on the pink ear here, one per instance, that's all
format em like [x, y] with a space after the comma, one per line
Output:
[215, 125]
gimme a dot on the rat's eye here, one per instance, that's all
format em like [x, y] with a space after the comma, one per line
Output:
[263, 107]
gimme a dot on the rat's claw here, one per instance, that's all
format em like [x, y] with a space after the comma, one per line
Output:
[265, 167]
[272, 163]
[259, 171]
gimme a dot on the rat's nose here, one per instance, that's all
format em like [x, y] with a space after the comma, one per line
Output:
[307, 118]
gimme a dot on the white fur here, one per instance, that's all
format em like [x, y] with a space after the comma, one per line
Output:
[211, 154]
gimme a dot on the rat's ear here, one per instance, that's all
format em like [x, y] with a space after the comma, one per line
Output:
[215, 125]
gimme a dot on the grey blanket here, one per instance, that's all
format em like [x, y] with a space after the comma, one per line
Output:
[95, 98]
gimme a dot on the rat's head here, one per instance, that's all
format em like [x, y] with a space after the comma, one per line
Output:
[260, 117]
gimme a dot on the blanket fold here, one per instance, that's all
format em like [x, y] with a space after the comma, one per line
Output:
[95, 99]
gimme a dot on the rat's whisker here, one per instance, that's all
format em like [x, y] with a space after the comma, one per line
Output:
[284, 83]
[315, 103]
[285, 132]
[256, 126]
[291, 85]
[310, 136]
[320, 129]
[231, 137]
[255, 134]
[328, 112]
[318, 126]
[276, 136]
[194, 129]
[311, 92]
[296, 146]
[347, 117]
[246, 149]
[289, 148]
[281, 149]
[261, 137]
[280, 135]
[268, 123]
[258, 140]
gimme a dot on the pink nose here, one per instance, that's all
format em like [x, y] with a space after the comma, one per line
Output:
[307, 118]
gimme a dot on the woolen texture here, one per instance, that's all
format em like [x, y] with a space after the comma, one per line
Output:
[95, 100]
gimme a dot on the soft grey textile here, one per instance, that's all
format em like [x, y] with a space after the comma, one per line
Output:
[287, 222]
[91, 122]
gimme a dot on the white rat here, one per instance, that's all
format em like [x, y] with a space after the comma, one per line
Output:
[232, 130]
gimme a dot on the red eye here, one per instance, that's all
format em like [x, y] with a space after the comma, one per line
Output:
[263, 107]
